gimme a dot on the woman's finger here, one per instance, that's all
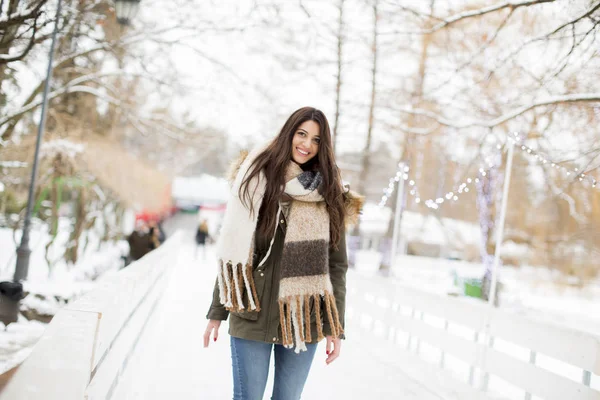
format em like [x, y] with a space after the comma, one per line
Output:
[328, 345]
[337, 344]
[216, 334]
[207, 336]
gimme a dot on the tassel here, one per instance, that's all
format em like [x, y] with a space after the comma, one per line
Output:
[252, 296]
[300, 346]
[300, 318]
[317, 299]
[231, 276]
[238, 279]
[330, 316]
[336, 316]
[307, 318]
[221, 283]
[228, 283]
[282, 323]
[289, 322]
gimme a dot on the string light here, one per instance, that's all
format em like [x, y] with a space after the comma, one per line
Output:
[403, 173]
[581, 176]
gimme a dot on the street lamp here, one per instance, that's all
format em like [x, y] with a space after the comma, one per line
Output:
[126, 10]
[23, 252]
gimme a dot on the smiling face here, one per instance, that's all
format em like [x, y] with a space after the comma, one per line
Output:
[305, 143]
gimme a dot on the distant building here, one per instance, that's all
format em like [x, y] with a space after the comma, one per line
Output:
[189, 193]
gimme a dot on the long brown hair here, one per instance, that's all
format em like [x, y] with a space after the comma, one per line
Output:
[273, 162]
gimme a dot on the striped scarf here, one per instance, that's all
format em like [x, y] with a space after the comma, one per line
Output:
[304, 263]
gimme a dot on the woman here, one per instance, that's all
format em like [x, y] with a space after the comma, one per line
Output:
[282, 255]
[201, 236]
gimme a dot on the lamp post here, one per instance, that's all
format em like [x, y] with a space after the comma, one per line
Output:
[126, 11]
[23, 252]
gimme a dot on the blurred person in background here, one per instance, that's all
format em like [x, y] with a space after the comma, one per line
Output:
[154, 234]
[162, 236]
[282, 259]
[201, 238]
[139, 241]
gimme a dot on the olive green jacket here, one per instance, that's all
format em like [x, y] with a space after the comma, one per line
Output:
[264, 326]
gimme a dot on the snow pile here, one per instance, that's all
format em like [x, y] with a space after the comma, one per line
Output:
[375, 219]
[17, 341]
[61, 146]
[50, 288]
[12, 164]
[420, 228]
[526, 290]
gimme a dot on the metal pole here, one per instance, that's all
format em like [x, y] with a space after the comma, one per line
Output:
[488, 339]
[23, 252]
[500, 230]
[397, 217]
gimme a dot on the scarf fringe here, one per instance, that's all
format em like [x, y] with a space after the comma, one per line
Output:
[234, 282]
[294, 319]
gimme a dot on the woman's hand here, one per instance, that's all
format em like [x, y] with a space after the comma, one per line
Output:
[332, 354]
[213, 324]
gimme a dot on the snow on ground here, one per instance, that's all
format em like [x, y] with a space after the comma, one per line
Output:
[49, 291]
[17, 340]
[526, 290]
[172, 363]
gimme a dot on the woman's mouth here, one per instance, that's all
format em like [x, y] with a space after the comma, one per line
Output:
[303, 153]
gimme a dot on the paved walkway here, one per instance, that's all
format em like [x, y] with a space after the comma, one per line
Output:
[170, 363]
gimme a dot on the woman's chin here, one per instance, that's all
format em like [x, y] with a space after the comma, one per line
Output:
[298, 161]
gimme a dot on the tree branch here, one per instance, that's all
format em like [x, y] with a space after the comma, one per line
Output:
[21, 17]
[453, 19]
[574, 98]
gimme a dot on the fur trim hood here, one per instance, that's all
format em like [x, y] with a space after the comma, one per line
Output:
[353, 201]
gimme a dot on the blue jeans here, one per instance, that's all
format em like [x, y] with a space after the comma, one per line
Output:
[250, 360]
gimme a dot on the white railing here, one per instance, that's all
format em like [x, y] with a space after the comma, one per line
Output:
[455, 326]
[88, 343]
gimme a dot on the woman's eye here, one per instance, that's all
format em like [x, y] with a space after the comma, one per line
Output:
[300, 133]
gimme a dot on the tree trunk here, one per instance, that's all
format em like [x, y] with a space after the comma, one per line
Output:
[364, 171]
[338, 85]
[5, 43]
[416, 100]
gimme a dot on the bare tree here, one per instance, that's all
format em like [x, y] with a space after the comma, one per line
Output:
[338, 86]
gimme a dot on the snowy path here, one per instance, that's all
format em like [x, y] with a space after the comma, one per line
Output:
[169, 361]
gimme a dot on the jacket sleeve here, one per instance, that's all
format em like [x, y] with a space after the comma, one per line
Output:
[338, 266]
[217, 310]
